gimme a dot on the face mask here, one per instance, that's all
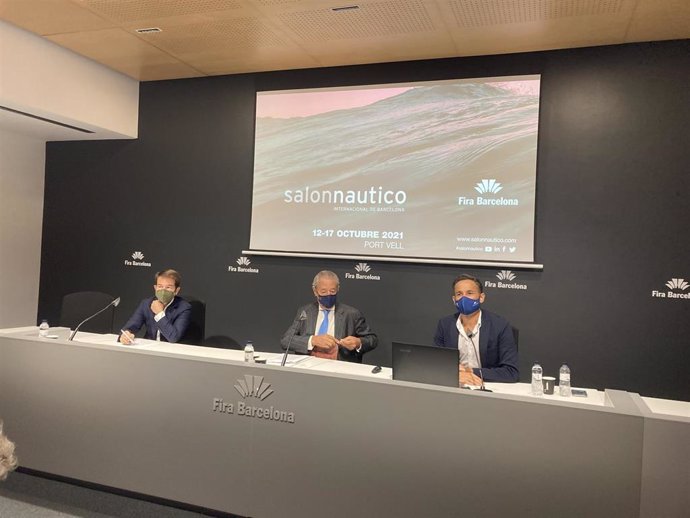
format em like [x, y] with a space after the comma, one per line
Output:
[467, 306]
[165, 296]
[327, 301]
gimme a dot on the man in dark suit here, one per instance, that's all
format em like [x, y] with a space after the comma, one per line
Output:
[165, 315]
[498, 356]
[329, 330]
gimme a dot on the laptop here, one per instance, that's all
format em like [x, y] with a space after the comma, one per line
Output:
[426, 364]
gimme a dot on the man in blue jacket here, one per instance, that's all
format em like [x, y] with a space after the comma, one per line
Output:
[485, 340]
[166, 316]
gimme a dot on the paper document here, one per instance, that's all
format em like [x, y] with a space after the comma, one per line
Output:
[292, 359]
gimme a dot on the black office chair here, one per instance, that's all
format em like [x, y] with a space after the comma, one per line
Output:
[80, 305]
[197, 322]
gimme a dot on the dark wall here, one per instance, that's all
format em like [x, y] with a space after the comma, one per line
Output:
[613, 210]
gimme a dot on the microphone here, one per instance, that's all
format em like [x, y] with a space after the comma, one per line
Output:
[114, 303]
[476, 355]
[302, 318]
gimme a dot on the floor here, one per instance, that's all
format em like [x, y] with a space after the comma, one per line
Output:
[26, 495]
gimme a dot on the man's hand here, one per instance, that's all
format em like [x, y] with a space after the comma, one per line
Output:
[467, 377]
[157, 306]
[350, 343]
[126, 338]
[324, 342]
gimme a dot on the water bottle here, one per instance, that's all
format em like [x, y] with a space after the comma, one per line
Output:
[249, 352]
[537, 387]
[564, 381]
[43, 328]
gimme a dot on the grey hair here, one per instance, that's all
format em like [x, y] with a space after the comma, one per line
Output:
[8, 460]
[325, 273]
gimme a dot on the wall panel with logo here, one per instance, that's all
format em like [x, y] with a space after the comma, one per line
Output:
[613, 300]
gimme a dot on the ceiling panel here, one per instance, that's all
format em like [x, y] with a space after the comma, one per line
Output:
[212, 37]
[483, 13]
[122, 51]
[155, 71]
[196, 39]
[375, 32]
[370, 19]
[381, 49]
[51, 16]
[656, 20]
[254, 60]
[502, 26]
[128, 11]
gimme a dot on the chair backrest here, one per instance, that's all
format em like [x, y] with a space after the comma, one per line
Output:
[82, 304]
[222, 342]
[197, 322]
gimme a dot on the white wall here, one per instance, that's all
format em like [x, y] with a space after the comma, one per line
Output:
[22, 166]
[44, 79]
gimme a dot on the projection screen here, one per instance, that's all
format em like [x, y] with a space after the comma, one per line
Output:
[441, 171]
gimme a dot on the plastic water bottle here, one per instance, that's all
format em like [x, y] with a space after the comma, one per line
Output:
[43, 329]
[249, 352]
[537, 387]
[564, 381]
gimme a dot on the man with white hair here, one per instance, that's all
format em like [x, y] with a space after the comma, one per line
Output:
[328, 329]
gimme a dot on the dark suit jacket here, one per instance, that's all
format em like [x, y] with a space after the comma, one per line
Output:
[172, 326]
[348, 322]
[497, 349]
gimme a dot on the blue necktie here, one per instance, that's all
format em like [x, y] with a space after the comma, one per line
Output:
[323, 330]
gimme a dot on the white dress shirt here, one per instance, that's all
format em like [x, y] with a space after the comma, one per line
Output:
[319, 321]
[469, 348]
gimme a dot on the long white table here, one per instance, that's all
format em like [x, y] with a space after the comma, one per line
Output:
[323, 438]
[312, 363]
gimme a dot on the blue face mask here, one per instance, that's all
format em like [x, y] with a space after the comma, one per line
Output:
[327, 301]
[467, 306]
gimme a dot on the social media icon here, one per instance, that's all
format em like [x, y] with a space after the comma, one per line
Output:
[488, 249]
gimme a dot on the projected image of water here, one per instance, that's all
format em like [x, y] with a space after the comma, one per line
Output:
[442, 171]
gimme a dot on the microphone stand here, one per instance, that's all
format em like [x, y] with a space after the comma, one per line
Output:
[115, 303]
[476, 355]
[302, 318]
